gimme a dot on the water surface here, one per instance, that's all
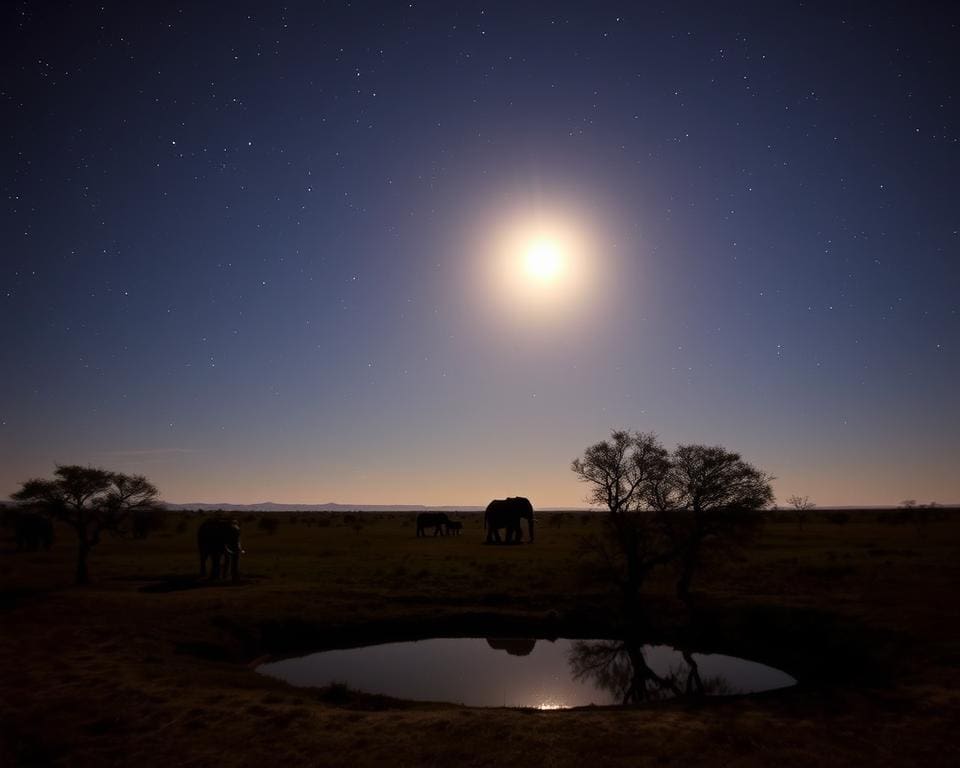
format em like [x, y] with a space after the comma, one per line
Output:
[525, 672]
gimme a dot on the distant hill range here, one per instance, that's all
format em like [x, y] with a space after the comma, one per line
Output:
[269, 506]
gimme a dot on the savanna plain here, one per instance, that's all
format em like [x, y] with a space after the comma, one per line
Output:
[151, 665]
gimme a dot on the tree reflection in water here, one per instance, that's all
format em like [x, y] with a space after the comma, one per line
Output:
[620, 667]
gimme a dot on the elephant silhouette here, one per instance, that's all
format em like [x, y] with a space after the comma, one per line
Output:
[515, 646]
[219, 539]
[454, 528]
[436, 520]
[33, 532]
[506, 514]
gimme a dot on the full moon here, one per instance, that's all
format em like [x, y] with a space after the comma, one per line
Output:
[543, 259]
[537, 265]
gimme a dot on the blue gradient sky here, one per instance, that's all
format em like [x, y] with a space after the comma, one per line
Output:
[243, 248]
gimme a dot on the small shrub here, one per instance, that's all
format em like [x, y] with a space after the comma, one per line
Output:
[268, 524]
[336, 693]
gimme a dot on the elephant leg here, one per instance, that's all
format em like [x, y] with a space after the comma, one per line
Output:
[203, 563]
[215, 566]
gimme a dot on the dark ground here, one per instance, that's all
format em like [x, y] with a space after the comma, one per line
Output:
[149, 666]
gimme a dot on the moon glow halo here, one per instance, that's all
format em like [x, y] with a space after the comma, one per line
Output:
[537, 268]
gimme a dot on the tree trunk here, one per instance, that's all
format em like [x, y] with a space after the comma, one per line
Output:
[688, 565]
[631, 593]
[689, 558]
[635, 573]
[83, 549]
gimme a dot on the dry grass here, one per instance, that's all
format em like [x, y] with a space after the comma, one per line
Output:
[148, 667]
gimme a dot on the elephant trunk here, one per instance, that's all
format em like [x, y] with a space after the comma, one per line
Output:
[530, 527]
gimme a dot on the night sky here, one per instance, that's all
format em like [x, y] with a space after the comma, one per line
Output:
[263, 252]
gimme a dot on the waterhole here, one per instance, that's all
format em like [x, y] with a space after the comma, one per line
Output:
[528, 672]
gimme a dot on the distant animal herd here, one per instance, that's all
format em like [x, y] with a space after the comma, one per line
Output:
[218, 540]
[501, 515]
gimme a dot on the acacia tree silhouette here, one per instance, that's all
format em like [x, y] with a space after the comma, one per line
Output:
[801, 506]
[718, 495]
[91, 501]
[624, 474]
[663, 508]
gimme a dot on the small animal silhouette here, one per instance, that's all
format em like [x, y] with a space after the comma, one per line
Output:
[436, 520]
[33, 532]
